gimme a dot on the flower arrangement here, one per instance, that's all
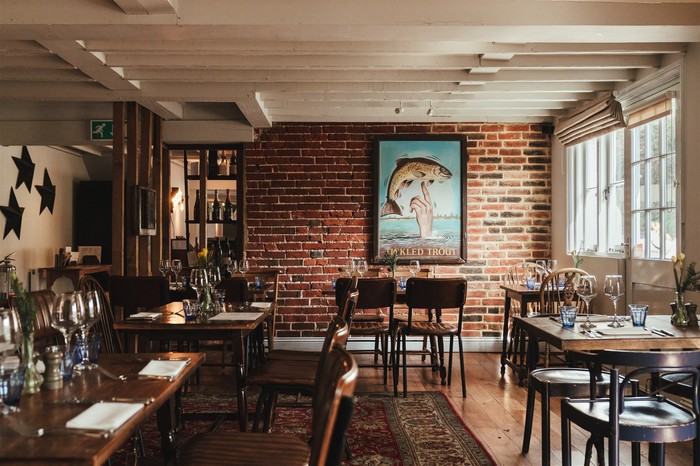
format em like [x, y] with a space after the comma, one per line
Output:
[576, 256]
[687, 279]
[26, 308]
[205, 258]
[391, 259]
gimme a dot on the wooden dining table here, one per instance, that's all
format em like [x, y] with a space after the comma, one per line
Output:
[523, 296]
[171, 325]
[549, 330]
[51, 409]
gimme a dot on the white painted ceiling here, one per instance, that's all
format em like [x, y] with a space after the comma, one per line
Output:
[260, 62]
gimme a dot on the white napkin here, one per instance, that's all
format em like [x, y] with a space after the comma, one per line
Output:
[160, 368]
[260, 305]
[627, 331]
[108, 416]
[231, 316]
[145, 315]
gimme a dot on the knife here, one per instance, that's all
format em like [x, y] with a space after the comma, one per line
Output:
[665, 332]
[658, 332]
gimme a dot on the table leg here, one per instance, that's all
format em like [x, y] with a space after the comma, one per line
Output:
[165, 417]
[239, 368]
[506, 318]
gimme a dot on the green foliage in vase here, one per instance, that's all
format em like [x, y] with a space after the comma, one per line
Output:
[391, 259]
[687, 278]
[26, 308]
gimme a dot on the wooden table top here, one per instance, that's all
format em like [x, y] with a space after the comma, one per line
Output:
[551, 331]
[44, 409]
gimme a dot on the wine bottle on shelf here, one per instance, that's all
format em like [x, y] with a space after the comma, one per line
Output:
[210, 206]
[223, 165]
[196, 243]
[212, 164]
[195, 214]
[228, 207]
[232, 163]
[216, 208]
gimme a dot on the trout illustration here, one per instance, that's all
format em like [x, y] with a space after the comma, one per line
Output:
[409, 169]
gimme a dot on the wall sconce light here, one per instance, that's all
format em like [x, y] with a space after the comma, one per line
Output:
[176, 199]
[399, 110]
[430, 110]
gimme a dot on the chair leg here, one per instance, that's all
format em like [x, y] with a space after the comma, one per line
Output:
[529, 415]
[405, 362]
[461, 365]
[449, 361]
[395, 362]
[376, 349]
[565, 437]
[385, 354]
[544, 402]
[270, 411]
[636, 454]
[614, 449]
[441, 355]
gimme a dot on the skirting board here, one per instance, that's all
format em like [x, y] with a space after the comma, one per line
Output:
[471, 345]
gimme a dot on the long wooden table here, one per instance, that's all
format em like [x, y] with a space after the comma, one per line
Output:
[49, 410]
[171, 325]
[549, 330]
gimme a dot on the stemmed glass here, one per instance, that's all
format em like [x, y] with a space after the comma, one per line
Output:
[414, 267]
[614, 289]
[164, 267]
[176, 267]
[361, 267]
[214, 276]
[67, 314]
[232, 267]
[199, 280]
[587, 289]
[541, 269]
[9, 341]
[93, 310]
[551, 265]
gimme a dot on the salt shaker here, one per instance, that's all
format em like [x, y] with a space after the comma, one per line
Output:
[53, 378]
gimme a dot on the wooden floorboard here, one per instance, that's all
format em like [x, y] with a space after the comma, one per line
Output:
[494, 409]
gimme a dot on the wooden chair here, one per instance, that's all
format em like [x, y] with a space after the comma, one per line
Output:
[375, 294]
[635, 419]
[111, 343]
[128, 294]
[270, 293]
[235, 289]
[437, 294]
[331, 412]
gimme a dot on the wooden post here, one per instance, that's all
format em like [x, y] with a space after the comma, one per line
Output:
[118, 116]
[144, 179]
[131, 248]
[160, 247]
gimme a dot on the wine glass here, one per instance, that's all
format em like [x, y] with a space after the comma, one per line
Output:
[67, 314]
[551, 265]
[9, 341]
[199, 280]
[587, 289]
[614, 290]
[243, 266]
[214, 276]
[176, 267]
[93, 310]
[232, 267]
[541, 269]
[361, 267]
[414, 267]
[164, 267]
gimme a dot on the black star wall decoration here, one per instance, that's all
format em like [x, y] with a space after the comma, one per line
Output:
[25, 169]
[47, 191]
[13, 216]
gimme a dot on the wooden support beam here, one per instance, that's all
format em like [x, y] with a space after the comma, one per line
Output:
[118, 211]
[131, 247]
[144, 179]
[160, 246]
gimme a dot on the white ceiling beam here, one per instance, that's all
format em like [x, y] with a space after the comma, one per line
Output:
[275, 106]
[89, 63]
[166, 110]
[43, 75]
[206, 132]
[34, 61]
[147, 7]
[45, 133]
[253, 110]
[388, 113]
[400, 96]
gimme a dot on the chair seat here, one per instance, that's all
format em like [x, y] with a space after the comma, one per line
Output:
[293, 355]
[367, 318]
[567, 381]
[429, 328]
[641, 413]
[368, 328]
[284, 372]
[250, 448]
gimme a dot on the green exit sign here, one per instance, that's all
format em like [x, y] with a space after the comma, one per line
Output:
[101, 130]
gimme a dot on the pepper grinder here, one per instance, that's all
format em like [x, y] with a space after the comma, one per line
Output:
[53, 378]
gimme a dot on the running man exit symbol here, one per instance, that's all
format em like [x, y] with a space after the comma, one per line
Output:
[101, 130]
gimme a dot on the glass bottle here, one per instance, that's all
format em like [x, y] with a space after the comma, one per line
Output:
[223, 165]
[195, 214]
[216, 208]
[228, 207]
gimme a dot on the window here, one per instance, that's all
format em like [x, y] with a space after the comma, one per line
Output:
[596, 194]
[653, 186]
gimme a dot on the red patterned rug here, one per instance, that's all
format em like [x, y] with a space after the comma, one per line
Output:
[422, 429]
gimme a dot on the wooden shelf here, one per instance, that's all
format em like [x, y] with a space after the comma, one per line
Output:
[213, 178]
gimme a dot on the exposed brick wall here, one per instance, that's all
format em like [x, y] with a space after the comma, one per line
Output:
[309, 210]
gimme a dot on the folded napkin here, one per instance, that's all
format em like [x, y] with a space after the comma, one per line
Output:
[231, 316]
[623, 331]
[144, 316]
[108, 416]
[594, 318]
[160, 368]
[260, 305]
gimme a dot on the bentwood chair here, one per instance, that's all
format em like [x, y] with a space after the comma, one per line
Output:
[111, 343]
[332, 408]
[436, 294]
[375, 294]
[653, 419]
[129, 294]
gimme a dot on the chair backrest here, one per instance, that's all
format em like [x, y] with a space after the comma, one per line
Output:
[269, 276]
[44, 333]
[332, 406]
[436, 294]
[130, 293]
[235, 289]
[517, 273]
[111, 343]
[347, 309]
[638, 363]
[559, 289]
[375, 293]
[342, 286]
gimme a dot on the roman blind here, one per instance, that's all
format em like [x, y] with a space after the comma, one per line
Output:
[598, 117]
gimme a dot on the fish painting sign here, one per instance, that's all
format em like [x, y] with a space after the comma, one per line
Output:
[420, 198]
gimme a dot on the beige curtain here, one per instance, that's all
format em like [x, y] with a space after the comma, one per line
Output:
[601, 116]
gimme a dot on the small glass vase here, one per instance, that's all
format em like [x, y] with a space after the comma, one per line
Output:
[32, 378]
[206, 304]
[679, 316]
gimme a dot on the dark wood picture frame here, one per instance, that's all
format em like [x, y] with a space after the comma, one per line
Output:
[144, 210]
[420, 198]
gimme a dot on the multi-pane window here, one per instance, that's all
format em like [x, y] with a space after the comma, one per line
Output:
[595, 194]
[653, 188]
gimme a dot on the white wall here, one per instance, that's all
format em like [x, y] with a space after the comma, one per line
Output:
[690, 150]
[41, 234]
